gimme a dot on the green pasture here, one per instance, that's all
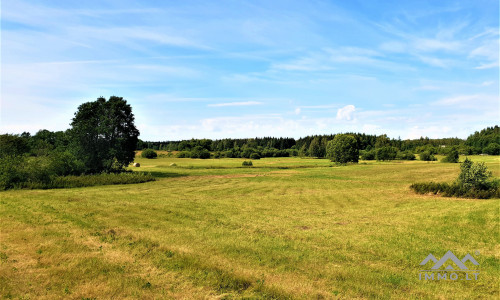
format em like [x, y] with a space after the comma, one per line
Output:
[296, 228]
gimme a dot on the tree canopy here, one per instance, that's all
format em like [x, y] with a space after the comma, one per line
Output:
[343, 149]
[104, 135]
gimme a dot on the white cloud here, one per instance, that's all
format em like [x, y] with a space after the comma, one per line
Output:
[470, 101]
[346, 113]
[297, 111]
[245, 103]
[487, 66]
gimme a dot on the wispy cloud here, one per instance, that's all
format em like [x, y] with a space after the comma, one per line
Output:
[245, 103]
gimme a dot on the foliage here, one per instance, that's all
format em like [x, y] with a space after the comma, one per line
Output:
[88, 180]
[104, 135]
[254, 156]
[24, 170]
[386, 153]
[474, 175]
[427, 156]
[343, 149]
[474, 181]
[492, 149]
[452, 156]
[247, 163]
[367, 154]
[200, 152]
[12, 145]
[454, 190]
[405, 155]
[316, 149]
[183, 154]
[482, 139]
[149, 153]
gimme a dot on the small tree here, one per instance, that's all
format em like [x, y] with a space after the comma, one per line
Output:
[316, 149]
[343, 149]
[452, 156]
[474, 175]
[427, 156]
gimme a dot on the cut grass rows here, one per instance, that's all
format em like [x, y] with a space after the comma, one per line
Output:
[354, 231]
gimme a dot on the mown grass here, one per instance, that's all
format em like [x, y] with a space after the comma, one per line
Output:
[285, 228]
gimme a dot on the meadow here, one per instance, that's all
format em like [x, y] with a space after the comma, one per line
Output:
[286, 228]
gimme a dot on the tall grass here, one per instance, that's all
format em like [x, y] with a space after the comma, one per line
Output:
[88, 180]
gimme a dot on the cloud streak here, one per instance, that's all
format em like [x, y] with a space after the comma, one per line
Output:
[226, 104]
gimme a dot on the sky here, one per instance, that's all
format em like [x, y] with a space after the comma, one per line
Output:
[240, 69]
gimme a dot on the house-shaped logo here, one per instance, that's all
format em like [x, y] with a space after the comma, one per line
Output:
[444, 260]
[450, 264]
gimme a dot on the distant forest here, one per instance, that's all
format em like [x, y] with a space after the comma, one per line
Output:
[486, 141]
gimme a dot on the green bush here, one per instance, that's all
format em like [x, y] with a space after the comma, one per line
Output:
[88, 180]
[200, 152]
[475, 176]
[451, 157]
[254, 156]
[474, 181]
[247, 163]
[367, 155]
[386, 153]
[183, 154]
[149, 153]
[406, 155]
[427, 156]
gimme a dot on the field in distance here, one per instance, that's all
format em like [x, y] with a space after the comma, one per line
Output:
[284, 228]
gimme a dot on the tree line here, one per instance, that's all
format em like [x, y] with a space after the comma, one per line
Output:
[369, 146]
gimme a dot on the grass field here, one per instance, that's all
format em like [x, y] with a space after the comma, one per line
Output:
[286, 228]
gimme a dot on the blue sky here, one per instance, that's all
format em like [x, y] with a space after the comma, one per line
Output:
[216, 69]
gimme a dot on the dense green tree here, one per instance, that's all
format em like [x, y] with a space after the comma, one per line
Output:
[492, 149]
[343, 149]
[386, 153]
[316, 148]
[13, 145]
[452, 156]
[104, 135]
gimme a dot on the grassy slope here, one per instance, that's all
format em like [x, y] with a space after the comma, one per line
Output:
[288, 227]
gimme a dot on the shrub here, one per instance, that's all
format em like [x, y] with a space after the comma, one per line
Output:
[427, 156]
[406, 155]
[254, 156]
[474, 181]
[474, 175]
[183, 154]
[247, 163]
[386, 153]
[149, 153]
[367, 155]
[451, 157]
[200, 152]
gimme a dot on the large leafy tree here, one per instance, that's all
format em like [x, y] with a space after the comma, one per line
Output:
[104, 135]
[343, 149]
